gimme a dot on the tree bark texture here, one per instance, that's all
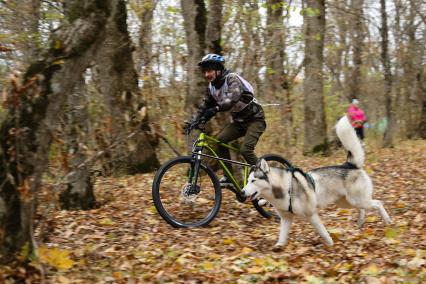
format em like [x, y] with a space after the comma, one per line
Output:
[422, 87]
[146, 15]
[412, 68]
[33, 109]
[274, 55]
[195, 20]
[354, 81]
[249, 21]
[126, 109]
[213, 45]
[315, 124]
[422, 123]
[78, 193]
[214, 27]
[390, 115]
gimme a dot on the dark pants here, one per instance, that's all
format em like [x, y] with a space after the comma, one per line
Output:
[251, 132]
[360, 132]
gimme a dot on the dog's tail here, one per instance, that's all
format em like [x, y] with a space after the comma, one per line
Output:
[350, 141]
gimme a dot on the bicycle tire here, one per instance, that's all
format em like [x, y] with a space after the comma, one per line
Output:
[267, 211]
[169, 210]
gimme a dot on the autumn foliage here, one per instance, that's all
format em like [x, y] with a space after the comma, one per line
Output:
[125, 240]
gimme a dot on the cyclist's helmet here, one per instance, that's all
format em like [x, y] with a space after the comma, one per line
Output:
[212, 61]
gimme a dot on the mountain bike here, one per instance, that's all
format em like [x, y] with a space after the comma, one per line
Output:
[186, 191]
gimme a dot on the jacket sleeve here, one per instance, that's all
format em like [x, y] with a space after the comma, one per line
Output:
[233, 95]
[208, 102]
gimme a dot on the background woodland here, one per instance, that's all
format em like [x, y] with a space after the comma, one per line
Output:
[100, 89]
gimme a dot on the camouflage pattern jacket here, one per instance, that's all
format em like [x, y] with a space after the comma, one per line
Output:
[233, 93]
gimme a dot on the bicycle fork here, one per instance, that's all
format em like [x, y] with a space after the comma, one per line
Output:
[195, 168]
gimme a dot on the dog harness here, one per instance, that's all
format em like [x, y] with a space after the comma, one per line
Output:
[292, 170]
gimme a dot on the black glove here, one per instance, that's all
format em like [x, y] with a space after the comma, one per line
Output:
[209, 113]
[190, 125]
[186, 127]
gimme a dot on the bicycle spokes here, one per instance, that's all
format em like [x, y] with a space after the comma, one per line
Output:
[184, 195]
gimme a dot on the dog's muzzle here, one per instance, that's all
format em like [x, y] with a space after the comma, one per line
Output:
[252, 197]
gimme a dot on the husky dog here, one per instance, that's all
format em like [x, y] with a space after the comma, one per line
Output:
[293, 192]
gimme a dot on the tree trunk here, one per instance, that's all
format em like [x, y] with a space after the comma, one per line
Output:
[274, 56]
[146, 15]
[315, 124]
[354, 81]
[33, 109]
[125, 107]
[213, 42]
[249, 20]
[214, 27]
[422, 120]
[79, 191]
[422, 124]
[412, 66]
[390, 115]
[194, 15]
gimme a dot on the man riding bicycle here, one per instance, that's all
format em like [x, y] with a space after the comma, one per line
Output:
[228, 91]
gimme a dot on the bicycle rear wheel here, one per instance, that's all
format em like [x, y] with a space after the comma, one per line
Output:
[276, 161]
[181, 203]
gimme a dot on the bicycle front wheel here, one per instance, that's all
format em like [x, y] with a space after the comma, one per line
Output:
[275, 161]
[180, 201]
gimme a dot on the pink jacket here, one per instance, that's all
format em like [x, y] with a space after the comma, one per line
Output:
[356, 115]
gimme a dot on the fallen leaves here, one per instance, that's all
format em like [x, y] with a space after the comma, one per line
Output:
[55, 257]
[126, 241]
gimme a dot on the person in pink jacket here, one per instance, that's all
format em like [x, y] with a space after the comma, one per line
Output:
[357, 117]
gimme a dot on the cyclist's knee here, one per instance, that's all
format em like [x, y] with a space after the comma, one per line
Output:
[248, 154]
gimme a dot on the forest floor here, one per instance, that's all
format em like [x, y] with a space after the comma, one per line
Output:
[126, 241]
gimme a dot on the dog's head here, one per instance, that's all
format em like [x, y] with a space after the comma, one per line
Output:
[258, 180]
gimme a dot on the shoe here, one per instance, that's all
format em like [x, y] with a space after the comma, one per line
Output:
[262, 202]
[225, 182]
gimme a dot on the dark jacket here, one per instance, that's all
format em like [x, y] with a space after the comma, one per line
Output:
[231, 93]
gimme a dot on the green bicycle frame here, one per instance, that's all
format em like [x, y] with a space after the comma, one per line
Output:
[203, 143]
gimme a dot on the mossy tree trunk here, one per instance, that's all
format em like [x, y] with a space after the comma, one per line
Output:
[125, 107]
[32, 112]
[78, 193]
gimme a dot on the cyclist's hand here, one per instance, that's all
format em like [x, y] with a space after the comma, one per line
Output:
[187, 127]
[190, 125]
[210, 112]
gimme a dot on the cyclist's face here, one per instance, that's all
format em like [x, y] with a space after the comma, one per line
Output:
[210, 75]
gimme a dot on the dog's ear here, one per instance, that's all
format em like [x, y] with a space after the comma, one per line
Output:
[257, 166]
[263, 165]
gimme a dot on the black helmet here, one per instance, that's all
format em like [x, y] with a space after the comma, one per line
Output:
[213, 61]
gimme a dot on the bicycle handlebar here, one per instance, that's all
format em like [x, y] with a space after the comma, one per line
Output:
[191, 125]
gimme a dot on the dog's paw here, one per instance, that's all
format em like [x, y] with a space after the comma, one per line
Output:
[278, 247]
